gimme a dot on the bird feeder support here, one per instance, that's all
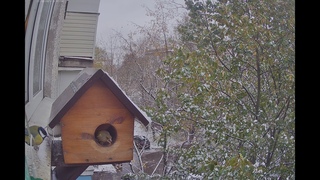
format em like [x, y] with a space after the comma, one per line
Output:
[69, 172]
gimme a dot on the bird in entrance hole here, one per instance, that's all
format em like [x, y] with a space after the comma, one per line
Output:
[37, 133]
[104, 137]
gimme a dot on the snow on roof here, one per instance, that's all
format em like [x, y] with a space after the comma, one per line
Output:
[141, 111]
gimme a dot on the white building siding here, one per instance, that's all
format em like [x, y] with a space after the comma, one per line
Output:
[78, 34]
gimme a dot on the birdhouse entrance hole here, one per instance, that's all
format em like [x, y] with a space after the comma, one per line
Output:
[105, 135]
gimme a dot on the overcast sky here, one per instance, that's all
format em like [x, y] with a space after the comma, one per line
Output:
[120, 14]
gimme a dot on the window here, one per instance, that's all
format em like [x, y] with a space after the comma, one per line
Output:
[36, 34]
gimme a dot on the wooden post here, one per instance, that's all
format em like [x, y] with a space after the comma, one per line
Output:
[69, 172]
[63, 171]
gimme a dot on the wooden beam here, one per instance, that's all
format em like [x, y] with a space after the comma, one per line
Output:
[64, 171]
[69, 172]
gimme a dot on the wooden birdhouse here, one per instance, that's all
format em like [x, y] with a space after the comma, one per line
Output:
[96, 119]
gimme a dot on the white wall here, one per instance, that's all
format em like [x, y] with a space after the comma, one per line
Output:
[26, 7]
[66, 76]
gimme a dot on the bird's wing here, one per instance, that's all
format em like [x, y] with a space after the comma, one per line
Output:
[34, 130]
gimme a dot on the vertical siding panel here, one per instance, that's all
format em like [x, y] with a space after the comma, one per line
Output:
[78, 34]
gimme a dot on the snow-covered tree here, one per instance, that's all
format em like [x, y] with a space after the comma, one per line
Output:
[230, 87]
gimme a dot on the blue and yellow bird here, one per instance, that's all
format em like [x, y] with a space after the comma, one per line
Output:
[38, 133]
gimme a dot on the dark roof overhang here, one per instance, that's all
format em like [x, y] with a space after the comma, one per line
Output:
[80, 85]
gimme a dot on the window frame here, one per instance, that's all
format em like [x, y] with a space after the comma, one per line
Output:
[31, 36]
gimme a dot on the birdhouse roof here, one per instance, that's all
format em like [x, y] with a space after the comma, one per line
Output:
[84, 80]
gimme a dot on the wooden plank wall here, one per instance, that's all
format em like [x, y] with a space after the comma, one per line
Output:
[98, 105]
